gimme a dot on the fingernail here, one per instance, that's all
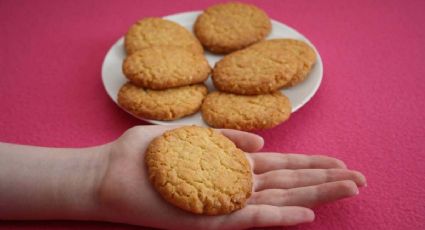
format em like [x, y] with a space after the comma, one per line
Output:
[356, 192]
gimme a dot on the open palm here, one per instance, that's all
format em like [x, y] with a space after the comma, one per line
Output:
[285, 185]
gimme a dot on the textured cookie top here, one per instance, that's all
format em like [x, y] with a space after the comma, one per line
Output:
[243, 112]
[227, 27]
[304, 53]
[169, 104]
[164, 67]
[261, 68]
[151, 32]
[199, 170]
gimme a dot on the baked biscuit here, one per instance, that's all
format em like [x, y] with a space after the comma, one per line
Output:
[226, 27]
[305, 54]
[302, 52]
[163, 67]
[225, 110]
[259, 69]
[151, 32]
[199, 170]
[169, 104]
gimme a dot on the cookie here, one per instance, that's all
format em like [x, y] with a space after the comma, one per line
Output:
[224, 28]
[163, 67]
[151, 32]
[261, 68]
[245, 112]
[304, 52]
[169, 104]
[199, 170]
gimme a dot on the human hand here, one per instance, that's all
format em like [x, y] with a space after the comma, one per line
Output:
[285, 186]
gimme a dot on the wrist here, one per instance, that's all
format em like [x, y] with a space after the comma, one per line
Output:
[50, 183]
[84, 174]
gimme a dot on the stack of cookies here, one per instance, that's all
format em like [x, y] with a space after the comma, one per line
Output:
[166, 68]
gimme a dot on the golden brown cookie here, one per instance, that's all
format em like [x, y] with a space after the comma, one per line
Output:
[169, 104]
[243, 112]
[226, 27]
[304, 52]
[199, 170]
[261, 68]
[163, 67]
[150, 32]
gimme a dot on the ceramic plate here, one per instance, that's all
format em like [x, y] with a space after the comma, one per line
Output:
[300, 94]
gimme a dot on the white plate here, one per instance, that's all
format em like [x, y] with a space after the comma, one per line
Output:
[300, 94]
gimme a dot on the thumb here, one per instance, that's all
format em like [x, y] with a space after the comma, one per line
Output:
[248, 142]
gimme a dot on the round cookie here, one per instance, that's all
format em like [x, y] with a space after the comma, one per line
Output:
[225, 110]
[151, 32]
[261, 68]
[226, 27]
[163, 67]
[304, 53]
[199, 170]
[169, 104]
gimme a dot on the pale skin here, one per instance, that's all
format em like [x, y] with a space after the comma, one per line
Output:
[110, 183]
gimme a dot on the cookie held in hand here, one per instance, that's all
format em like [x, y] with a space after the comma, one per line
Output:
[199, 170]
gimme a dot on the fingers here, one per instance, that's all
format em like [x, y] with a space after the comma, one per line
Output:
[306, 196]
[264, 162]
[266, 216]
[248, 142]
[285, 179]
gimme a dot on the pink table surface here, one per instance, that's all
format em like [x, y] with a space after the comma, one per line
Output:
[369, 110]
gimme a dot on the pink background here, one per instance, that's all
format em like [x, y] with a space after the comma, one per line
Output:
[369, 110]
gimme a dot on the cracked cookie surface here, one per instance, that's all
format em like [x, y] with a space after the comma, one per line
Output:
[169, 104]
[226, 27]
[261, 68]
[150, 32]
[165, 67]
[199, 170]
[245, 112]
